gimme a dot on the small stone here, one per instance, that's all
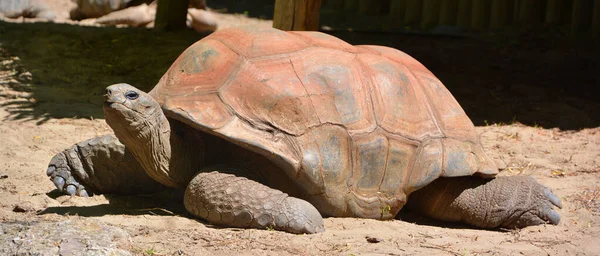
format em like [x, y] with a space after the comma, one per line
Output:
[373, 240]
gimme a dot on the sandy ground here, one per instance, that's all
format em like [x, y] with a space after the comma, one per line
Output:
[51, 81]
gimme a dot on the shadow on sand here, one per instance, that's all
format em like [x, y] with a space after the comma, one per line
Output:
[167, 203]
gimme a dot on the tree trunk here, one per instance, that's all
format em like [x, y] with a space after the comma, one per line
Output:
[171, 14]
[296, 14]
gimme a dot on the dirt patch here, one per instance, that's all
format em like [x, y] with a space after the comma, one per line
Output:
[52, 77]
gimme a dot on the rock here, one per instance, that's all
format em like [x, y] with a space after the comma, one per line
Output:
[372, 240]
[70, 237]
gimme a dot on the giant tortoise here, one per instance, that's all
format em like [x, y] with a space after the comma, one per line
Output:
[271, 129]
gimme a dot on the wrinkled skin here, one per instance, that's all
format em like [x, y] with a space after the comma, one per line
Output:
[509, 202]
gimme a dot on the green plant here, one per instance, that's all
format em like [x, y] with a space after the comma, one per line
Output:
[385, 210]
[150, 251]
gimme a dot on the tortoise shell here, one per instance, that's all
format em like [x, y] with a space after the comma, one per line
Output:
[358, 128]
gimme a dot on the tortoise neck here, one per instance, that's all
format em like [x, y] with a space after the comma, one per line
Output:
[164, 152]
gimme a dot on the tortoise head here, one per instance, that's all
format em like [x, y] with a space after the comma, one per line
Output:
[128, 109]
[132, 113]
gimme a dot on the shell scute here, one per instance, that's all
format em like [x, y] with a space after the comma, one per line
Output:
[399, 103]
[327, 41]
[398, 56]
[201, 69]
[253, 42]
[450, 117]
[428, 162]
[267, 93]
[336, 86]
[400, 155]
[189, 88]
[370, 153]
[326, 166]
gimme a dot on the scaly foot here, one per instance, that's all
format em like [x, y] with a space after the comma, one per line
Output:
[100, 165]
[232, 201]
[510, 202]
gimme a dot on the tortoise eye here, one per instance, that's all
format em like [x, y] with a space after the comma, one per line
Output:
[131, 95]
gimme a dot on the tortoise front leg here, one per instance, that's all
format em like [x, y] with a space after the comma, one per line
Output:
[233, 201]
[101, 165]
[510, 202]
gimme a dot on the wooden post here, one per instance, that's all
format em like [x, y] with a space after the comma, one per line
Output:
[413, 12]
[478, 14]
[171, 14]
[350, 12]
[499, 13]
[431, 10]
[463, 18]
[530, 13]
[515, 12]
[580, 18]
[296, 14]
[448, 12]
[351, 5]
[397, 11]
[596, 20]
[368, 8]
[368, 17]
[333, 4]
[553, 11]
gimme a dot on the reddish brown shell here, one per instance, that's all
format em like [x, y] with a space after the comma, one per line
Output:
[358, 127]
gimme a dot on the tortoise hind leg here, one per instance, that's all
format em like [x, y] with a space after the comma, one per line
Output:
[101, 165]
[510, 202]
[233, 201]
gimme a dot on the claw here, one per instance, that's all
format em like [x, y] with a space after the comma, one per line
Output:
[71, 190]
[553, 217]
[83, 193]
[553, 198]
[59, 182]
[62, 173]
[50, 170]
